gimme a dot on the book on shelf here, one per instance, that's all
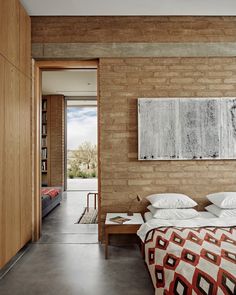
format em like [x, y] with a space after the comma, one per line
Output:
[44, 165]
[44, 153]
[119, 219]
[44, 141]
[44, 105]
[44, 129]
[44, 118]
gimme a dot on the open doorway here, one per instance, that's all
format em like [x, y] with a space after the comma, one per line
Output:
[60, 224]
[81, 144]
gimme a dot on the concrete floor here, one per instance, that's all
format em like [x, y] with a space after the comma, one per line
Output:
[68, 260]
[60, 225]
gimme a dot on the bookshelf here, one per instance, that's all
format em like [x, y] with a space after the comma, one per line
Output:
[45, 142]
[52, 140]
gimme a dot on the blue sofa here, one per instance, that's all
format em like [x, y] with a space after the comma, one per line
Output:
[48, 203]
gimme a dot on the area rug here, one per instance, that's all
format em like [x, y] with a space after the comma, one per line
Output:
[89, 217]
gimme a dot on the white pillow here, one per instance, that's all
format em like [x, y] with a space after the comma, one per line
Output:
[171, 200]
[173, 213]
[221, 212]
[223, 199]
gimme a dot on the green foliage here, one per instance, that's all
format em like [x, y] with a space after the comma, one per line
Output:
[94, 174]
[83, 162]
[70, 175]
[83, 174]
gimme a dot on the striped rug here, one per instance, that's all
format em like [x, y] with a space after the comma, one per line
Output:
[90, 217]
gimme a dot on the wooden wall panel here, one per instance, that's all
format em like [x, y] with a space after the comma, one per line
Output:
[15, 133]
[11, 201]
[2, 133]
[9, 30]
[25, 162]
[25, 42]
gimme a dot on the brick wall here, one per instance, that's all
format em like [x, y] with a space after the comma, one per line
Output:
[133, 29]
[121, 82]
[56, 140]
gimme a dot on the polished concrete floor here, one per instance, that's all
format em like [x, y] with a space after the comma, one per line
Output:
[60, 225]
[68, 260]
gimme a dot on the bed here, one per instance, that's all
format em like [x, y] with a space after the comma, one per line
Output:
[196, 256]
[51, 197]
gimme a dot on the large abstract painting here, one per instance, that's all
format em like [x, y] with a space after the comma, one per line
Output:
[186, 128]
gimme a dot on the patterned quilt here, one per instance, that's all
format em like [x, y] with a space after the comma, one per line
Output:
[188, 261]
[52, 192]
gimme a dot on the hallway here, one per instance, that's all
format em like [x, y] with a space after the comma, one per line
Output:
[60, 225]
[68, 260]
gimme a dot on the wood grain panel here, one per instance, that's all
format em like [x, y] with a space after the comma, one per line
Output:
[25, 160]
[36, 151]
[25, 42]
[15, 132]
[11, 202]
[9, 30]
[2, 133]
[39, 66]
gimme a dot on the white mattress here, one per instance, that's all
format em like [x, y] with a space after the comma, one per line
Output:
[205, 219]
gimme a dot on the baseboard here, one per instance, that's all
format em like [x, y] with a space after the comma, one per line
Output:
[14, 260]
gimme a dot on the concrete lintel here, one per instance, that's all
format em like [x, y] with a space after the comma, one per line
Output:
[122, 50]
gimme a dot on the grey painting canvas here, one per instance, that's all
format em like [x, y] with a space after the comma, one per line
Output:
[186, 128]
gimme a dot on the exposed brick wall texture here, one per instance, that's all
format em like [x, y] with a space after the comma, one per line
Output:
[121, 82]
[133, 29]
[57, 140]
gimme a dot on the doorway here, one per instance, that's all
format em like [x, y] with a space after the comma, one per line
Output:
[40, 67]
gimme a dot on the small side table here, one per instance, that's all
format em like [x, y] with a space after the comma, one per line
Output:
[128, 227]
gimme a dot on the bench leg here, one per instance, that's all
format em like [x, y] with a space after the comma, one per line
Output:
[88, 202]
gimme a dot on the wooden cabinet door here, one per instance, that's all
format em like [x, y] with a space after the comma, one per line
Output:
[25, 172]
[25, 42]
[9, 30]
[11, 188]
[2, 135]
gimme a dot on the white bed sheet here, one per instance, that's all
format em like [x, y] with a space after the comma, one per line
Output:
[203, 214]
[147, 216]
[205, 219]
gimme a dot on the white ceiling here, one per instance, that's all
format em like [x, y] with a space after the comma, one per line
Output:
[130, 7]
[70, 82]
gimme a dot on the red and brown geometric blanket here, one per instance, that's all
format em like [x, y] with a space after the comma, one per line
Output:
[52, 192]
[188, 261]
